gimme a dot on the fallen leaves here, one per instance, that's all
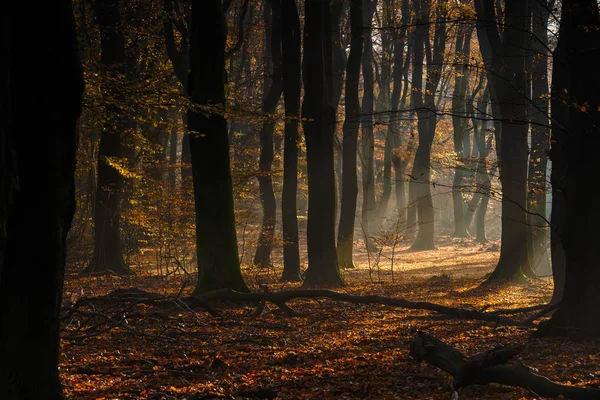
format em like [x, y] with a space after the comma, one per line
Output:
[334, 350]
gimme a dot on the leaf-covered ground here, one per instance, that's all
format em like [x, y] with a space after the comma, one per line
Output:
[333, 351]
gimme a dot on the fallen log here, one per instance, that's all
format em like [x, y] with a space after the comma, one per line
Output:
[489, 367]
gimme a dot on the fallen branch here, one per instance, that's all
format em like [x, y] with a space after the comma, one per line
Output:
[489, 367]
[281, 298]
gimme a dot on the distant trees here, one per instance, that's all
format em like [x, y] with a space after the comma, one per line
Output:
[108, 247]
[216, 238]
[38, 138]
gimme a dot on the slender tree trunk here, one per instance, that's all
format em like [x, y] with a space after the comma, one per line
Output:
[540, 140]
[345, 240]
[480, 200]
[394, 128]
[292, 85]
[108, 246]
[460, 125]
[383, 107]
[423, 97]
[216, 241]
[40, 209]
[367, 138]
[262, 257]
[560, 120]
[319, 123]
[339, 65]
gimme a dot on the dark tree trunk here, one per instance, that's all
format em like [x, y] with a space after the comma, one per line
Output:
[339, 65]
[108, 246]
[505, 60]
[400, 64]
[292, 85]
[262, 257]
[460, 125]
[216, 239]
[367, 138]
[345, 240]
[40, 209]
[560, 119]
[540, 139]
[579, 34]
[483, 176]
[319, 122]
[423, 98]
[7, 173]
[383, 108]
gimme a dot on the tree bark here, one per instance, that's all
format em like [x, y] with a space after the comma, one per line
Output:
[262, 257]
[505, 61]
[460, 125]
[367, 139]
[423, 98]
[216, 241]
[540, 139]
[40, 209]
[580, 33]
[345, 239]
[292, 85]
[401, 63]
[319, 121]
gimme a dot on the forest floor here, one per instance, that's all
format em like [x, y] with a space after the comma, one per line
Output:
[335, 350]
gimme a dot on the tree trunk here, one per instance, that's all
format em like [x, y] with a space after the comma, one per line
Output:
[540, 140]
[108, 246]
[560, 120]
[292, 85]
[460, 125]
[262, 257]
[216, 241]
[394, 129]
[424, 104]
[318, 119]
[345, 240]
[513, 148]
[339, 65]
[576, 315]
[41, 208]
[383, 107]
[367, 138]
